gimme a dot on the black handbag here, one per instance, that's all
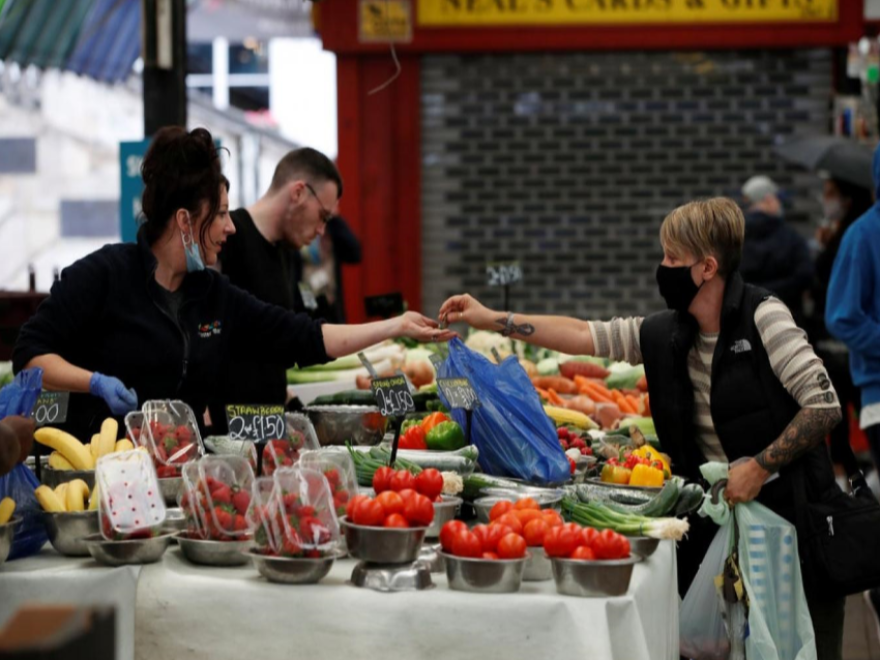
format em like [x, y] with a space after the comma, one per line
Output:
[839, 537]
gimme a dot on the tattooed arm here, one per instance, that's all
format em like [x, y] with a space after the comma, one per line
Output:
[808, 428]
[558, 333]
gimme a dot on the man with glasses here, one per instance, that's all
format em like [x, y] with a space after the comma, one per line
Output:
[263, 258]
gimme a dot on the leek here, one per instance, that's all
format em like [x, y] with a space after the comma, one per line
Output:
[599, 516]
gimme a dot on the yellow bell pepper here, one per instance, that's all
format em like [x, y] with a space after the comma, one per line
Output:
[646, 451]
[645, 475]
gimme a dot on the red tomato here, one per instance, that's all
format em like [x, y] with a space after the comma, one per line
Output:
[430, 483]
[605, 545]
[623, 547]
[402, 480]
[407, 493]
[552, 517]
[482, 533]
[497, 531]
[391, 502]
[368, 512]
[559, 542]
[395, 520]
[382, 479]
[583, 552]
[352, 503]
[499, 509]
[489, 555]
[526, 503]
[525, 516]
[534, 532]
[589, 535]
[512, 546]
[418, 510]
[511, 521]
[448, 532]
[466, 544]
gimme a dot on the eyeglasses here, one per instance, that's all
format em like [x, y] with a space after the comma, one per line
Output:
[326, 216]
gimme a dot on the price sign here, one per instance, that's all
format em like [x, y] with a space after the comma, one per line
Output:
[393, 396]
[256, 423]
[458, 393]
[51, 408]
[436, 359]
[504, 273]
[386, 306]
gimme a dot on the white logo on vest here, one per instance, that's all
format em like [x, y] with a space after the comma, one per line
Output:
[741, 346]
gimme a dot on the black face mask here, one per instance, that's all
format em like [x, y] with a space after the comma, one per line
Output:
[677, 286]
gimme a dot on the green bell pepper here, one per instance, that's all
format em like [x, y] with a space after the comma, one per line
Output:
[446, 436]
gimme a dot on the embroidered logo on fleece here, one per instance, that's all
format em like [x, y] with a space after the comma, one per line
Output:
[207, 330]
[741, 346]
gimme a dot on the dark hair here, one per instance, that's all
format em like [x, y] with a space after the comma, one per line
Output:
[306, 163]
[180, 171]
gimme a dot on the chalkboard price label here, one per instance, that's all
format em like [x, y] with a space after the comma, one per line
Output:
[393, 396]
[458, 393]
[504, 273]
[51, 408]
[256, 423]
[385, 306]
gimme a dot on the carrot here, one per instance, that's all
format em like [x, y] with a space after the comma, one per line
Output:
[555, 399]
[544, 394]
[647, 401]
[596, 393]
[634, 403]
[621, 402]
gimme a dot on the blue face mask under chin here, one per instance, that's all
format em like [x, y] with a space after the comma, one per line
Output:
[194, 261]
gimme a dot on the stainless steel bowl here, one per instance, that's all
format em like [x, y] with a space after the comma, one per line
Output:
[430, 556]
[399, 577]
[175, 519]
[488, 576]
[594, 579]
[53, 478]
[213, 553]
[290, 570]
[546, 500]
[538, 567]
[643, 545]
[120, 553]
[336, 425]
[383, 545]
[443, 512]
[68, 530]
[7, 533]
[171, 488]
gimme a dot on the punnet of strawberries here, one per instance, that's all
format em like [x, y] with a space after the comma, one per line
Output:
[216, 510]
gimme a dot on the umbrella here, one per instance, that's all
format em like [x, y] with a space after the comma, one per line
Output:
[842, 158]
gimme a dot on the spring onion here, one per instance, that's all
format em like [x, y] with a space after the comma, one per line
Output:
[599, 516]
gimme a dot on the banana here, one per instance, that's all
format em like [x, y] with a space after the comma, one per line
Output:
[77, 495]
[58, 462]
[7, 508]
[61, 493]
[107, 437]
[68, 446]
[48, 500]
[93, 501]
[93, 447]
[124, 445]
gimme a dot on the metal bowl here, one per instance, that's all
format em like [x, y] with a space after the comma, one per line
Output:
[171, 488]
[120, 553]
[643, 545]
[383, 545]
[443, 512]
[53, 478]
[488, 576]
[594, 579]
[389, 579]
[175, 519]
[538, 567]
[7, 533]
[68, 530]
[290, 570]
[336, 425]
[546, 500]
[213, 553]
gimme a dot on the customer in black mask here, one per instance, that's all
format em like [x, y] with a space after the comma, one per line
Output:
[729, 373]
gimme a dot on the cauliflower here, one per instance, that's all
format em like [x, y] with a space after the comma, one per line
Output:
[453, 484]
[483, 341]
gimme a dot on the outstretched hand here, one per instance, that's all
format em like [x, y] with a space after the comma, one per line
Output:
[467, 309]
[421, 328]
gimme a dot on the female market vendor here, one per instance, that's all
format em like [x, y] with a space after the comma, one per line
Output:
[134, 322]
[730, 376]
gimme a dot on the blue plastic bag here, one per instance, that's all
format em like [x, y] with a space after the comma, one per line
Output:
[19, 398]
[510, 428]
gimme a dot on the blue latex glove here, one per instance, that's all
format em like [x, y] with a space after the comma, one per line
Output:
[119, 399]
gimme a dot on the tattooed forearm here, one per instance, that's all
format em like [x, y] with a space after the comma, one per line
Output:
[808, 428]
[523, 330]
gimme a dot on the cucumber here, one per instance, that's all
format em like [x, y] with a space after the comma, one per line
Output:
[475, 483]
[657, 507]
[690, 499]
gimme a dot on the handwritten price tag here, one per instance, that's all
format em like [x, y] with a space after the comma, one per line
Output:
[256, 423]
[393, 396]
[504, 274]
[459, 393]
[51, 408]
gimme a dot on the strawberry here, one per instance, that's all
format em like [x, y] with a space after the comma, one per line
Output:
[183, 435]
[222, 495]
[223, 517]
[289, 500]
[241, 501]
[332, 476]
[239, 524]
[305, 511]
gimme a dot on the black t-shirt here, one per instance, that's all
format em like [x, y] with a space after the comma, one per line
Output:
[268, 272]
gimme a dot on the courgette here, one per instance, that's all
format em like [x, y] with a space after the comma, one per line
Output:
[690, 499]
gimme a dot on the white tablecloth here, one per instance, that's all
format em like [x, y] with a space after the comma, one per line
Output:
[186, 611]
[51, 579]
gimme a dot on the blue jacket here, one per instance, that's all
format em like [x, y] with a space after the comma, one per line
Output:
[852, 311]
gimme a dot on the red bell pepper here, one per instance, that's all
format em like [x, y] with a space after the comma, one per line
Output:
[414, 438]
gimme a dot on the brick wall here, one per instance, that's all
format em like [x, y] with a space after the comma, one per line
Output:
[570, 162]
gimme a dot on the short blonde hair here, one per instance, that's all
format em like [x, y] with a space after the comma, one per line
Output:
[711, 227]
